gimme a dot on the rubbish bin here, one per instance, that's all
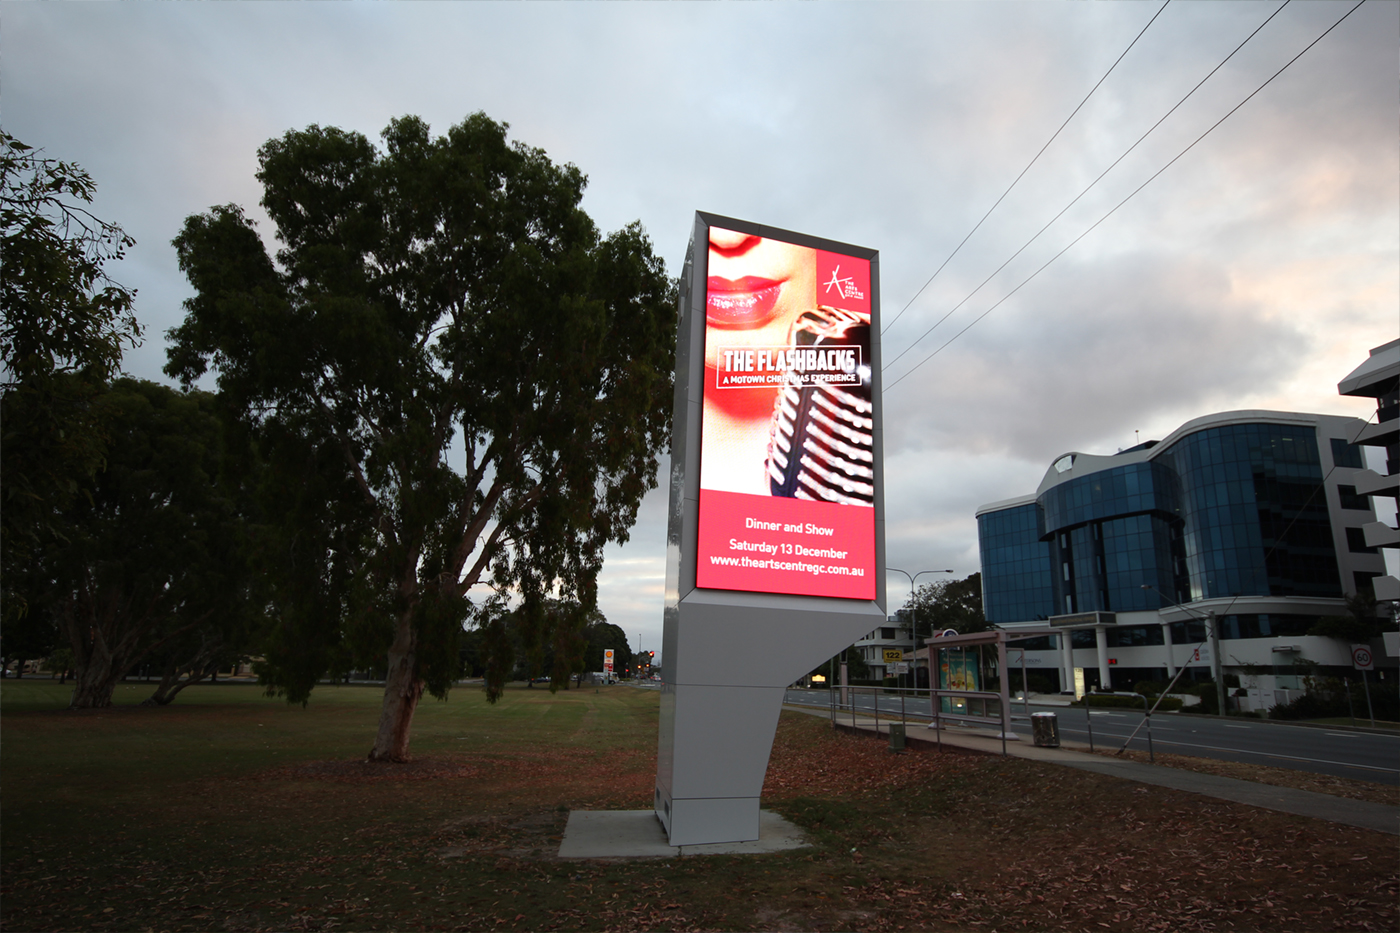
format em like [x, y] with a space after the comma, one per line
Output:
[1045, 728]
[896, 736]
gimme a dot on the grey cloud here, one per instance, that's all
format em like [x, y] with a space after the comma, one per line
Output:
[889, 125]
[1086, 353]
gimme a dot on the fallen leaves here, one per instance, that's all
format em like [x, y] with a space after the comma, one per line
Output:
[467, 840]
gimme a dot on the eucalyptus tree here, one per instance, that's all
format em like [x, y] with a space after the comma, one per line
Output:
[64, 323]
[950, 604]
[474, 381]
[150, 562]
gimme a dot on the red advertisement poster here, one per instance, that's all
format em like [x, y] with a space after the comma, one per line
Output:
[787, 481]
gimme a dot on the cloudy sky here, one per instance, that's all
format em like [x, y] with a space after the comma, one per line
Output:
[1255, 272]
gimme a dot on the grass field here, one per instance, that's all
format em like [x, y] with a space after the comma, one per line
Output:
[232, 811]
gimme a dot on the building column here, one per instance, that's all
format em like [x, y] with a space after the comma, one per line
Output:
[1101, 642]
[1066, 662]
[1171, 651]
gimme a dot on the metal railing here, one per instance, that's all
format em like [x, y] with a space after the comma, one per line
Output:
[845, 701]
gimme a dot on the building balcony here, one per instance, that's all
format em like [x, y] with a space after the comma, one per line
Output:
[1379, 534]
[1382, 434]
[1371, 483]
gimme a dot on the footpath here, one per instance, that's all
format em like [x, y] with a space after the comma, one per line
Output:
[1360, 813]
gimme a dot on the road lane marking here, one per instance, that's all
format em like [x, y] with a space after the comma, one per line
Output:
[1342, 735]
[1229, 726]
[1241, 751]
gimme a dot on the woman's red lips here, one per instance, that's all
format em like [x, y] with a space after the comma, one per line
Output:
[740, 304]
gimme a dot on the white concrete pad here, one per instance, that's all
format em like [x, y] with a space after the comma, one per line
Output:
[638, 834]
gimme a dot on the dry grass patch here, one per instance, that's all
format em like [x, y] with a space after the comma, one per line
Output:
[237, 813]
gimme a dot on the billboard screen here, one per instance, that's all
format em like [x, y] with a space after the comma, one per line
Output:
[787, 478]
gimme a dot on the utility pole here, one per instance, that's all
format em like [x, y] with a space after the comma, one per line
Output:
[1213, 636]
[1215, 670]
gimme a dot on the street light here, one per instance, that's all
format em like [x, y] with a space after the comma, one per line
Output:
[914, 626]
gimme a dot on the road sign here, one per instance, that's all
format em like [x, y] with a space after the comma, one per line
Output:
[1361, 658]
[893, 655]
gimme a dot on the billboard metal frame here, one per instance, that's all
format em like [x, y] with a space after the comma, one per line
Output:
[729, 654]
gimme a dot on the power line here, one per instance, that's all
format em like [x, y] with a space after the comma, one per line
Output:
[1128, 198]
[1091, 184]
[1027, 168]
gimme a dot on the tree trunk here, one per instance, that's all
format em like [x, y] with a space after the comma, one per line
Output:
[403, 688]
[172, 683]
[182, 670]
[94, 683]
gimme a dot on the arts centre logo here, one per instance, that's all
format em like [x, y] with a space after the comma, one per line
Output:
[845, 286]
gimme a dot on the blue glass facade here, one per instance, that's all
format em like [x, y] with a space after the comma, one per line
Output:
[1016, 574]
[1231, 510]
[1110, 532]
[1254, 512]
[1125, 490]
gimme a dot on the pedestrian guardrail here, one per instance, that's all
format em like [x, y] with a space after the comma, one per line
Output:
[982, 708]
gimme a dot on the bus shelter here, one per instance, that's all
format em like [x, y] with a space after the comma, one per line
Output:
[956, 665]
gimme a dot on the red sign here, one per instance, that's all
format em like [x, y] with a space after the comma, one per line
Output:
[777, 545]
[787, 480]
[843, 282]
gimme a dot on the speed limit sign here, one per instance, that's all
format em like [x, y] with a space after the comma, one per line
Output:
[1361, 658]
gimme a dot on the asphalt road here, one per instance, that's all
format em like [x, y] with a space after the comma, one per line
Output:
[1361, 755]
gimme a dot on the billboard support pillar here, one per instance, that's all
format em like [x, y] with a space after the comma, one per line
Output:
[775, 540]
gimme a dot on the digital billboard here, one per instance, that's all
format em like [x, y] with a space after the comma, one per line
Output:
[787, 473]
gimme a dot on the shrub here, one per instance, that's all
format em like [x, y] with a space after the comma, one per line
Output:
[1326, 698]
[1038, 682]
[1210, 703]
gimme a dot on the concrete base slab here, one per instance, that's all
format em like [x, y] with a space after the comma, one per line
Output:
[638, 834]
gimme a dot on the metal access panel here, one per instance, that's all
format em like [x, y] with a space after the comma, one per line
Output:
[775, 549]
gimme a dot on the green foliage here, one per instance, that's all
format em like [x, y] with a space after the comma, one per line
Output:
[1326, 697]
[63, 325]
[602, 634]
[949, 604]
[1036, 681]
[538, 639]
[1362, 622]
[438, 295]
[152, 555]
[1205, 689]
[856, 669]
[61, 311]
[60, 662]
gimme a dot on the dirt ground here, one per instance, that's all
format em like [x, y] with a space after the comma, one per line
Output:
[1012, 844]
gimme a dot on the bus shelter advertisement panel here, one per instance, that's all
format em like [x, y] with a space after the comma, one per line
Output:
[787, 480]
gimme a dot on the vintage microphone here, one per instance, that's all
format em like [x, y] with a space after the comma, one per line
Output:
[821, 443]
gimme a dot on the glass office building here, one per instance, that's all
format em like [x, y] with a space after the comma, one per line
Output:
[1246, 514]
[1009, 537]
